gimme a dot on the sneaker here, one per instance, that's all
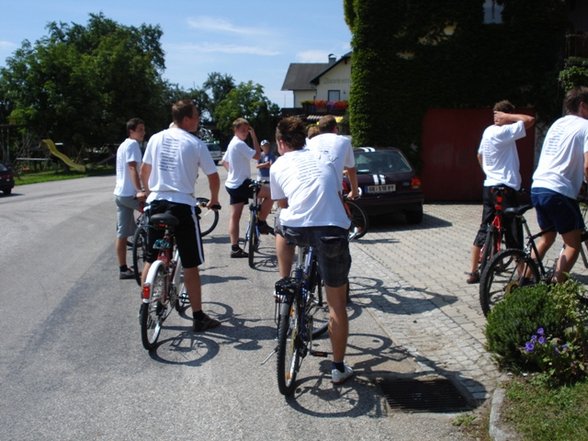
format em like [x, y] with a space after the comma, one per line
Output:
[338, 377]
[204, 323]
[264, 228]
[473, 278]
[125, 275]
[239, 253]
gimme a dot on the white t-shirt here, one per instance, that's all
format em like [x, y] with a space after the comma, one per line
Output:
[561, 164]
[128, 151]
[175, 156]
[335, 147]
[239, 156]
[309, 182]
[500, 159]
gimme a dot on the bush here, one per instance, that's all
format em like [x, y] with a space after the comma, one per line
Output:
[541, 328]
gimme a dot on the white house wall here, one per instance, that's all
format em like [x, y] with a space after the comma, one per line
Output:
[338, 78]
[303, 95]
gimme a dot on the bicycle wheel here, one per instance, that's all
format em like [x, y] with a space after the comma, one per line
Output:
[252, 239]
[487, 250]
[208, 219]
[139, 252]
[289, 341]
[359, 221]
[507, 271]
[152, 311]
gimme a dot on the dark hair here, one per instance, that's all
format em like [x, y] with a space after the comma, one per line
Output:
[133, 123]
[182, 109]
[573, 99]
[327, 124]
[292, 132]
[312, 131]
[504, 106]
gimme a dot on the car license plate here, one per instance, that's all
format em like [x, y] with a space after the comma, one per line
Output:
[389, 188]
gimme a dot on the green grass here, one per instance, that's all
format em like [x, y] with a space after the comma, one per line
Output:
[541, 413]
[51, 175]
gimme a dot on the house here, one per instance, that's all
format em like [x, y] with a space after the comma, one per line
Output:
[319, 81]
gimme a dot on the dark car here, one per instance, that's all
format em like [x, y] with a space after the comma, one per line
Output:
[388, 183]
[215, 151]
[6, 179]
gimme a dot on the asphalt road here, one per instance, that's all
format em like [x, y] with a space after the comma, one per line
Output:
[72, 366]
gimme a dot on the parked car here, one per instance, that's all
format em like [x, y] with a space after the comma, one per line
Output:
[215, 151]
[6, 179]
[387, 183]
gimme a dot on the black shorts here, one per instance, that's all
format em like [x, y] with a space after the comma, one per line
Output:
[187, 233]
[513, 228]
[241, 194]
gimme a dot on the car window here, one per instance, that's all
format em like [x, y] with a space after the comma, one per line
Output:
[380, 161]
[3, 168]
[213, 147]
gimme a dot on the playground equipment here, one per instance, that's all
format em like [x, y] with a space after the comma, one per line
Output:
[66, 159]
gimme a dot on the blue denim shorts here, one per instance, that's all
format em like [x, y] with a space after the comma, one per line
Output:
[332, 247]
[556, 211]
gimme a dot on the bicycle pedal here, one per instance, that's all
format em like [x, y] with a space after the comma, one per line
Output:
[322, 354]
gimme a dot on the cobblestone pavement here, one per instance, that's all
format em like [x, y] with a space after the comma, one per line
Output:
[416, 292]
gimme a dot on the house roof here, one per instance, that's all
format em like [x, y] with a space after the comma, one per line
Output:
[330, 66]
[299, 75]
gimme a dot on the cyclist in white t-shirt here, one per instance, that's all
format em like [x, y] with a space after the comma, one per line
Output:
[499, 159]
[562, 167]
[307, 189]
[169, 172]
[127, 192]
[237, 160]
[338, 149]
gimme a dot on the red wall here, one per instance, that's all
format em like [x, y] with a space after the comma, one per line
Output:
[450, 141]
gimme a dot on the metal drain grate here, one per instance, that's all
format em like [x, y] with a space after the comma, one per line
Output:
[431, 395]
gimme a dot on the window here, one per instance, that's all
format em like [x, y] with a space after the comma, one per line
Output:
[492, 12]
[334, 95]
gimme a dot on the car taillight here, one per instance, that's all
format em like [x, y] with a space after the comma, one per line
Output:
[415, 183]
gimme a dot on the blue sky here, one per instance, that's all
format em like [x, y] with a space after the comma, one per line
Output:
[250, 40]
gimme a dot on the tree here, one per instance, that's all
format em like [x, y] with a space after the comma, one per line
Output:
[216, 87]
[247, 100]
[80, 84]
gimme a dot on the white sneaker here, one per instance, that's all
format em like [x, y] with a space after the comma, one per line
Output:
[338, 377]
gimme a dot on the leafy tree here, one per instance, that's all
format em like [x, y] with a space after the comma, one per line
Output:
[216, 88]
[247, 100]
[80, 84]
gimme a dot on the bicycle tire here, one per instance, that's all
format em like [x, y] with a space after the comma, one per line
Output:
[139, 252]
[503, 274]
[252, 239]
[359, 221]
[208, 218]
[152, 312]
[487, 250]
[289, 341]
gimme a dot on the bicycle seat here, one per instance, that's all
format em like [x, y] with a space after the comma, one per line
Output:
[518, 211]
[164, 219]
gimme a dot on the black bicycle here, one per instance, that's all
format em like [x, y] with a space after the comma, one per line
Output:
[252, 235]
[359, 221]
[301, 317]
[207, 219]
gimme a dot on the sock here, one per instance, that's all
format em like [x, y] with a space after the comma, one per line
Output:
[340, 366]
[123, 268]
[235, 247]
[198, 315]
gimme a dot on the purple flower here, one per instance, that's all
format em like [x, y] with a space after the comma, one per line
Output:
[540, 331]
[534, 338]
[529, 346]
[541, 340]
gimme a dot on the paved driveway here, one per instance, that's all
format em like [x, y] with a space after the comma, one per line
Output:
[416, 291]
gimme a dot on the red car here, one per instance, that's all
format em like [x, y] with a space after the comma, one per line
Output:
[387, 183]
[6, 179]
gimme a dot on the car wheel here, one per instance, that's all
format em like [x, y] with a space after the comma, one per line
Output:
[414, 216]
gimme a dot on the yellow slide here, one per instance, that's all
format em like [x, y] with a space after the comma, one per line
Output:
[66, 159]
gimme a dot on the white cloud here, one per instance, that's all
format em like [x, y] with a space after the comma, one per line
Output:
[312, 56]
[221, 25]
[7, 44]
[225, 49]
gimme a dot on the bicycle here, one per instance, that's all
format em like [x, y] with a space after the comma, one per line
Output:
[160, 293]
[208, 220]
[513, 268]
[252, 235]
[495, 231]
[301, 316]
[359, 221]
